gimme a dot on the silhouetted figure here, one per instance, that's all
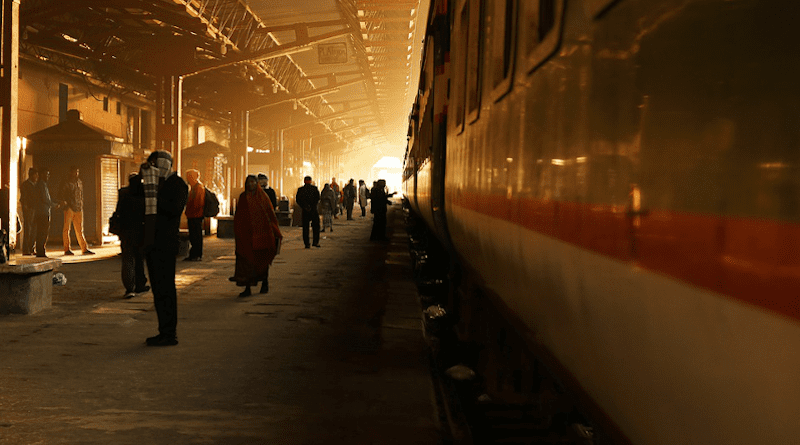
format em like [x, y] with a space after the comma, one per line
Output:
[327, 205]
[380, 202]
[72, 203]
[257, 235]
[307, 198]
[165, 195]
[194, 214]
[349, 198]
[29, 198]
[263, 182]
[363, 196]
[338, 194]
[44, 205]
[130, 208]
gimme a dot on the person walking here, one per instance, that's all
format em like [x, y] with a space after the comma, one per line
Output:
[380, 202]
[327, 205]
[28, 199]
[263, 182]
[165, 196]
[44, 205]
[72, 203]
[130, 208]
[338, 195]
[363, 196]
[194, 214]
[349, 193]
[257, 237]
[307, 198]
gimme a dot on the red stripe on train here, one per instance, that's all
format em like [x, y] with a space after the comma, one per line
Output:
[756, 261]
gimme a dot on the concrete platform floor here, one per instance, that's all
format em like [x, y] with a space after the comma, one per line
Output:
[333, 354]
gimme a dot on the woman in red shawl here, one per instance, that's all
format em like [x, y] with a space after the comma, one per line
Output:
[257, 234]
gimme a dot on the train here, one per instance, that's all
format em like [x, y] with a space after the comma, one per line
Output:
[620, 181]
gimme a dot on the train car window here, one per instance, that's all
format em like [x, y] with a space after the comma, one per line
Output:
[502, 18]
[540, 30]
[474, 60]
[461, 33]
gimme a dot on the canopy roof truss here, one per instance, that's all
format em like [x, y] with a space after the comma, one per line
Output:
[231, 59]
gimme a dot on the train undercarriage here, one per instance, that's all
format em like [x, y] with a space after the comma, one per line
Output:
[493, 388]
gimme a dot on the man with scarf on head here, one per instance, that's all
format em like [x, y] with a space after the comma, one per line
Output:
[165, 196]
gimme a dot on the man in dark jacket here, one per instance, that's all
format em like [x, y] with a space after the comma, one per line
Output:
[307, 198]
[379, 202]
[130, 208]
[44, 205]
[165, 195]
[263, 182]
[28, 198]
[349, 198]
[194, 214]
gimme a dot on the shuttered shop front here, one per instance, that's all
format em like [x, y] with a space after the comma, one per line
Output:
[109, 184]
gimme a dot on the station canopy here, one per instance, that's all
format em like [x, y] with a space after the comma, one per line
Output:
[350, 66]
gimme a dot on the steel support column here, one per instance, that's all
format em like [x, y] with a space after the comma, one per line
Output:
[169, 108]
[240, 122]
[283, 192]
[9, 147]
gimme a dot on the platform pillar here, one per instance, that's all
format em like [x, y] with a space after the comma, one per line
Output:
[169, 108]
[9, 99]
[240, 123]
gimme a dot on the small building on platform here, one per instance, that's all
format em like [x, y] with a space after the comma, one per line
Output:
[103, 160]
[211, 160]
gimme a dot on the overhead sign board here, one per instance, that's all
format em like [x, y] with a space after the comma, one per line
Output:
[330, 53]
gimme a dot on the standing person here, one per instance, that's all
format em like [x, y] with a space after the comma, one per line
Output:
[44, 204]
[165, 196]
[327, 205]
[29, 198]
[380, 202]
[130, 208]
[257, 236]
[72, 203]
[307, 198]
[263, 182]
[194, 214]
[337, 194]
[363, 196]
[349, 194]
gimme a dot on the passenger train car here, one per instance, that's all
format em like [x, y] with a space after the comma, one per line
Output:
[621, 180]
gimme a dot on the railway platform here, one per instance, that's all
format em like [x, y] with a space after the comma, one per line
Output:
[333, 354]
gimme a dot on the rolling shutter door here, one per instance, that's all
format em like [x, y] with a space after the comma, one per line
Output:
[109, 176]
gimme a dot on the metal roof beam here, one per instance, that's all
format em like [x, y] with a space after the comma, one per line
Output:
[386, 19]
[304, 25]
[303, 43]
[308, 94]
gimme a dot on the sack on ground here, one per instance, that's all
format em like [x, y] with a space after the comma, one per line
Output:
[211, 206]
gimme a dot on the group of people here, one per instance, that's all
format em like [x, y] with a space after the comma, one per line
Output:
[38, 205]
[312, 203]
[150, 209]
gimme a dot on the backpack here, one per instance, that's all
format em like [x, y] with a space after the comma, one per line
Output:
[115, 224]
[211, 206]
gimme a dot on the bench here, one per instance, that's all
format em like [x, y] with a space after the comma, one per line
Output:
[26, 285]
